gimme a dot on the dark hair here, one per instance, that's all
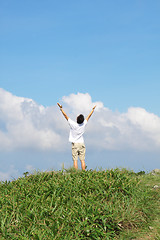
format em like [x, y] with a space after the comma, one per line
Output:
[80, 119]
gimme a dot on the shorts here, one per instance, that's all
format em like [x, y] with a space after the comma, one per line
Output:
[78, 150]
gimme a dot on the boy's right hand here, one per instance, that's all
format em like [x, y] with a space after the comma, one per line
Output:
[59, 105]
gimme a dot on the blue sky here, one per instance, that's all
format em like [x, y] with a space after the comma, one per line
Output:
[108, 49]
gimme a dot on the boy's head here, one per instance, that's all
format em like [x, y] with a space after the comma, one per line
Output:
[80, 119]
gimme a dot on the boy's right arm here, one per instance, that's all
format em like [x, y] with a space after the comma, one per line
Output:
[63, 112]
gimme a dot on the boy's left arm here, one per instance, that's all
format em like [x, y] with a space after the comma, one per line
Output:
[90, 114]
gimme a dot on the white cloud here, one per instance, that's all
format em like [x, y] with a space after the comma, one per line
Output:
[9, 174]
[80, 102]
[136, 129]
[25, 124]
[147, 123]
[30, 168]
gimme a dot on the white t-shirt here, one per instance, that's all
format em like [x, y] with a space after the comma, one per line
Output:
[76, 131]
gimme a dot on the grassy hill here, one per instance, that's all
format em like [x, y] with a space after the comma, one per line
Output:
[69, 204]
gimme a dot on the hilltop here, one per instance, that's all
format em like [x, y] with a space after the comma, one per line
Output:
[69, 204]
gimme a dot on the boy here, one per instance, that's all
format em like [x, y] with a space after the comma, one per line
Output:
[77, 130]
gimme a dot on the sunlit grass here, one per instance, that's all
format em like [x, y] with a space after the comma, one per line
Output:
[73, 204]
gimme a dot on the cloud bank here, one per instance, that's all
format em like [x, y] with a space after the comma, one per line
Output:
[24, 124]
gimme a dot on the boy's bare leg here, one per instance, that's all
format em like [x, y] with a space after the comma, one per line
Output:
[83, 165]
[75, 164]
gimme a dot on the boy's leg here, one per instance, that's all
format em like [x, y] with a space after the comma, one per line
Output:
[82, 152]
[75, 164]
[74, 156]
[83, 165]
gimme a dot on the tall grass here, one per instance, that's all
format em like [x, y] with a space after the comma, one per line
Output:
[74, 205]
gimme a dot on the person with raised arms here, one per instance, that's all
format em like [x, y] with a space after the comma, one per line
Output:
[77, 130]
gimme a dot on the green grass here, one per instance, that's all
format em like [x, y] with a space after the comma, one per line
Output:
[69, 204]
